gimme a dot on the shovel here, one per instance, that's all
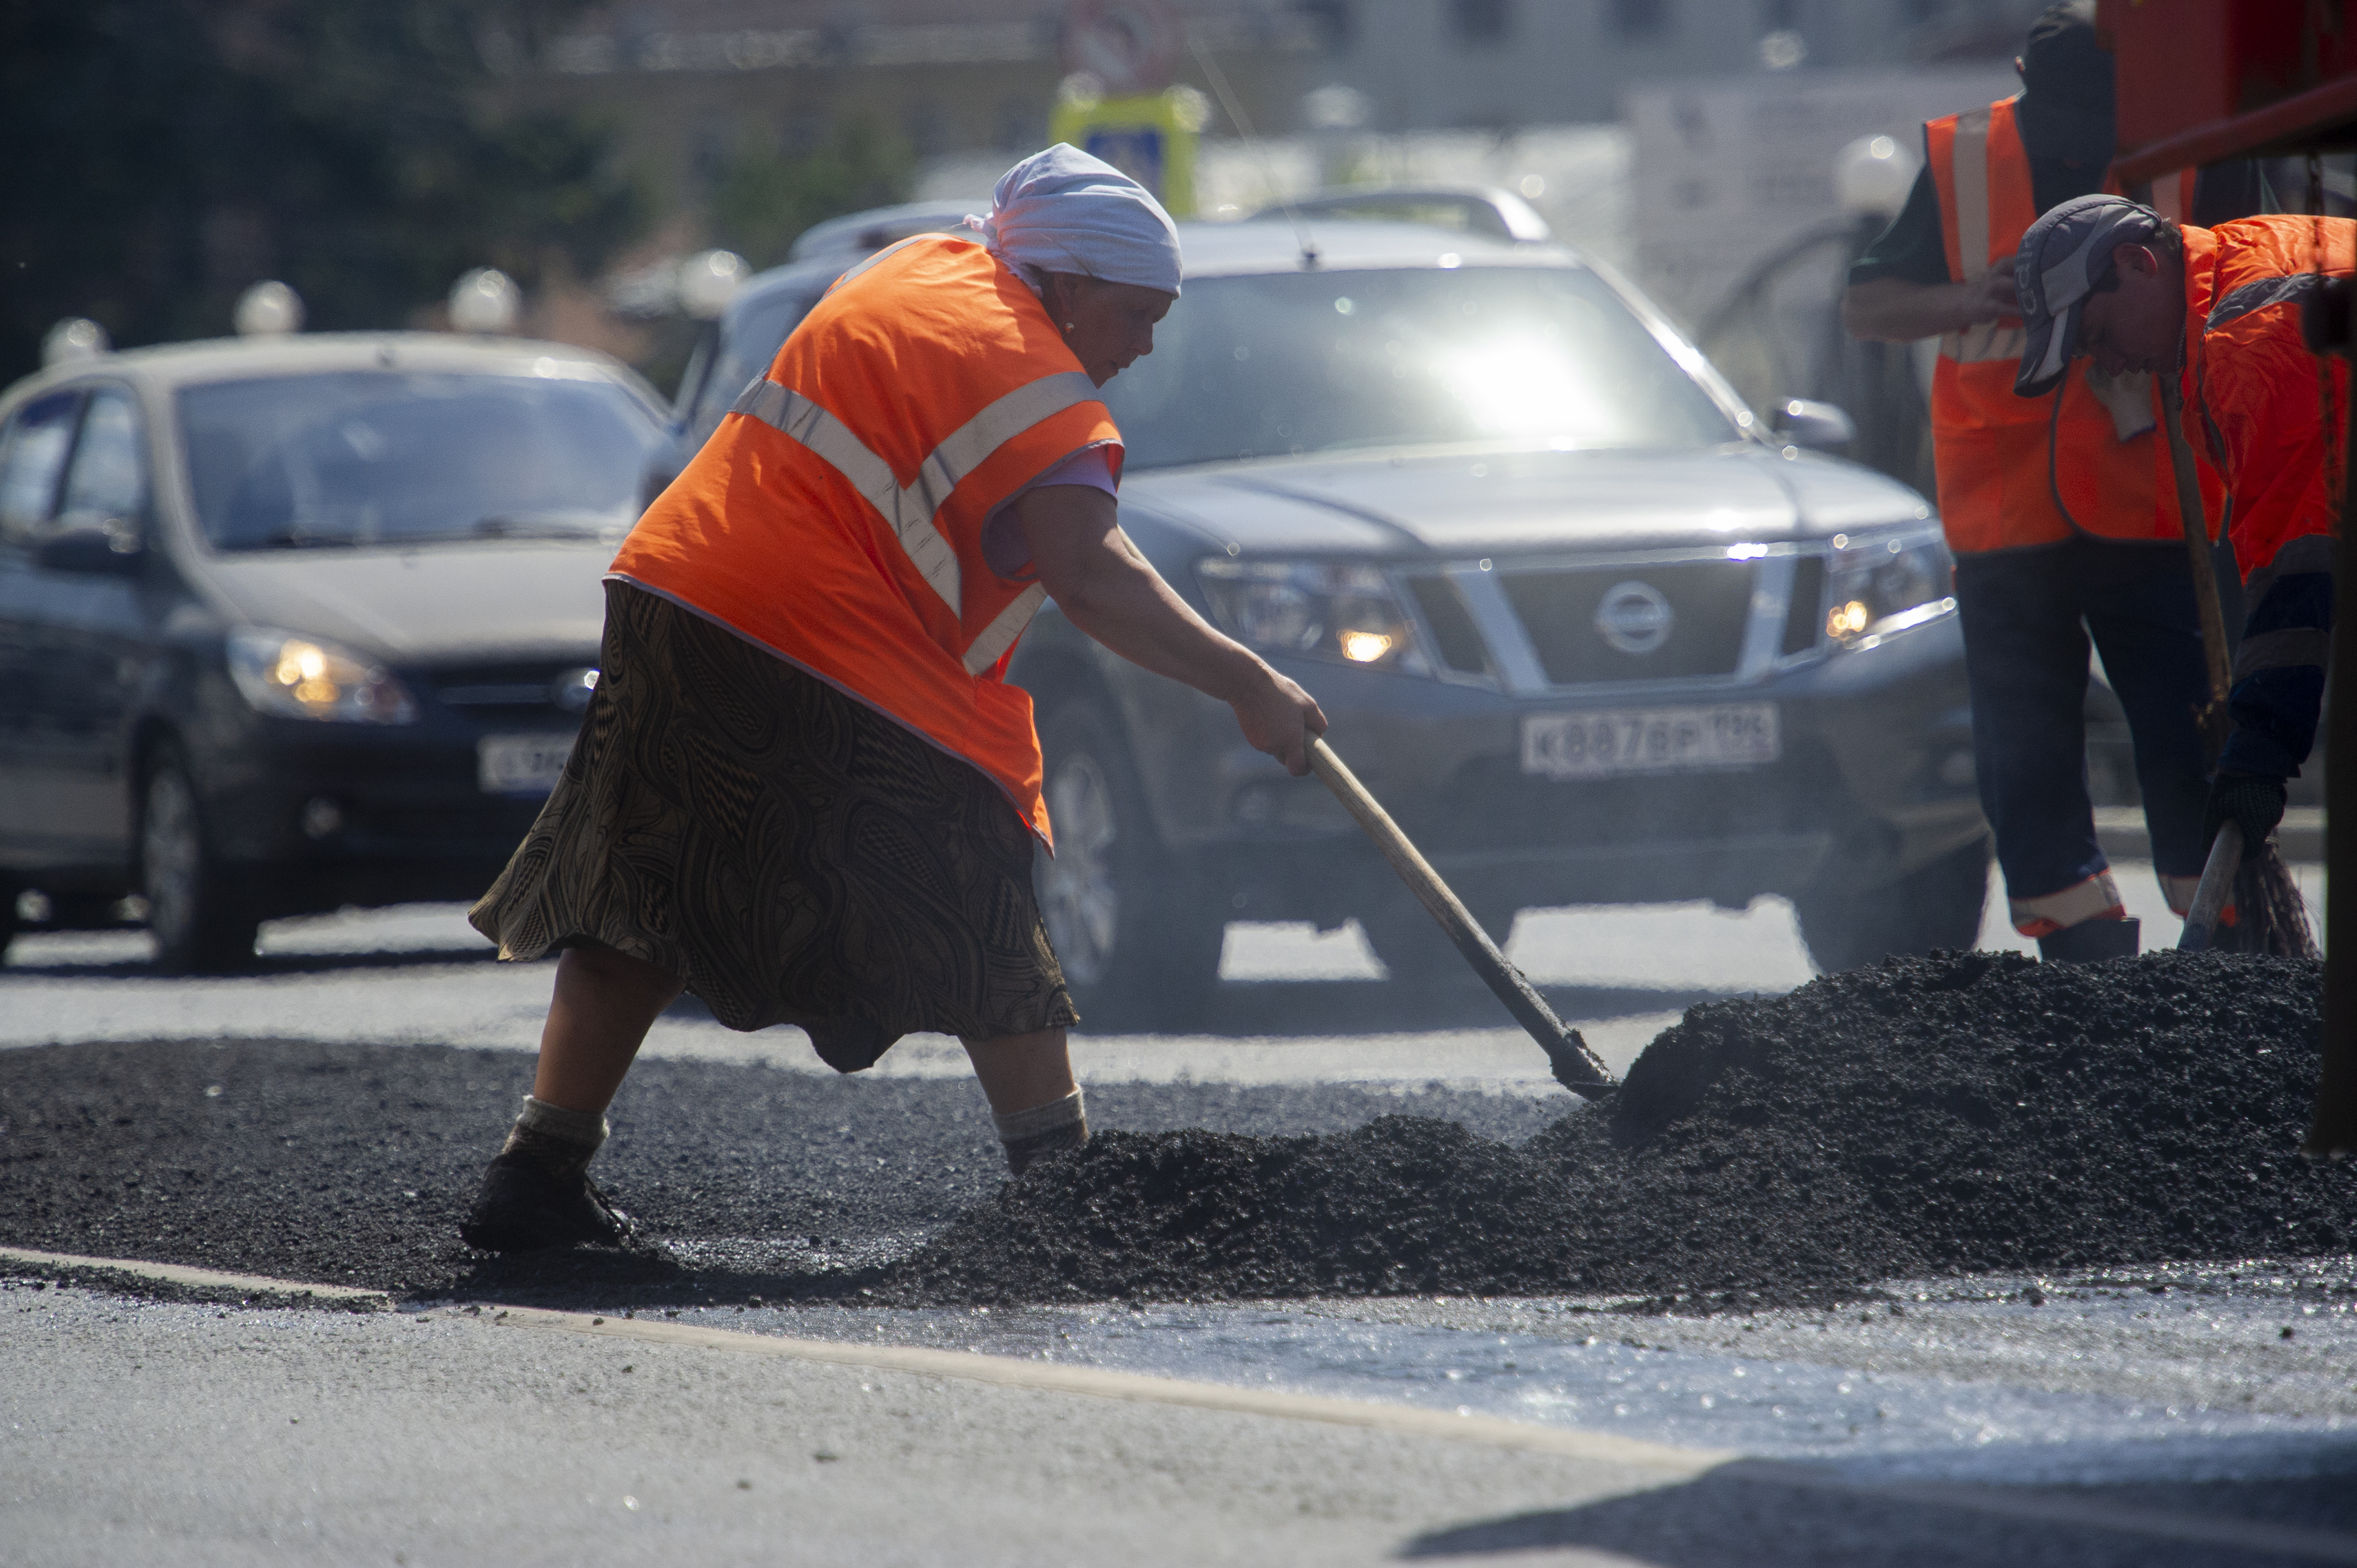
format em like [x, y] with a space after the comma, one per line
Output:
[1576, 1067]
[2213, 892]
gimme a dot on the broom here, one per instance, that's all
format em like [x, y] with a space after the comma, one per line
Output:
[2269, 916]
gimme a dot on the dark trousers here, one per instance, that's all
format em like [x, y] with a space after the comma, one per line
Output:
[2027, 617]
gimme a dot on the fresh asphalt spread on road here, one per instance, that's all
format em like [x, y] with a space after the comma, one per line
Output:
[773, 1198]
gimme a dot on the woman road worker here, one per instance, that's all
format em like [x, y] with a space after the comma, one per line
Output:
[803, 790]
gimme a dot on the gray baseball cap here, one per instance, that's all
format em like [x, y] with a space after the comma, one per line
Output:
[2062, 257]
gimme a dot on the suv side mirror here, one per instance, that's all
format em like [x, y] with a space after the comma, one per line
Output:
[1819, 426]
[93, 552]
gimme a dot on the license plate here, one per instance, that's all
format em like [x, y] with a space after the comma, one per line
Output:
[1650, 740]
[520, 764]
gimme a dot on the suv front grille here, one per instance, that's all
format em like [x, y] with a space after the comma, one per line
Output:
[1662, 621]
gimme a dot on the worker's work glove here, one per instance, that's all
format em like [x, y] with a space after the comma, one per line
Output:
[2252, 801]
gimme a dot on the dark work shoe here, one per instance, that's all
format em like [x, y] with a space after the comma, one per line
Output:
[2091, 941]
[521, 1206]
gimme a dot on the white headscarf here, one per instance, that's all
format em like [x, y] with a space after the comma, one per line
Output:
[1064, 211]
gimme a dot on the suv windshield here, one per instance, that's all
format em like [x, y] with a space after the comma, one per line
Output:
[395, 458]
[1263, 366]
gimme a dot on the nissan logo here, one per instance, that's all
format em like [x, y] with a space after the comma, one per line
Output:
[1635, 618]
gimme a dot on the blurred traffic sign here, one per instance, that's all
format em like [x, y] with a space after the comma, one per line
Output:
[1151, 137]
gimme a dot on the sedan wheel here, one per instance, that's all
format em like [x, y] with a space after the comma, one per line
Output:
[1139, 942]
[198, 922]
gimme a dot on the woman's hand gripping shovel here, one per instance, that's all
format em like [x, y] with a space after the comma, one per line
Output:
[1576, 1067]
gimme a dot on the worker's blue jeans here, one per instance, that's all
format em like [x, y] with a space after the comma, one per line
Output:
[2026, 615]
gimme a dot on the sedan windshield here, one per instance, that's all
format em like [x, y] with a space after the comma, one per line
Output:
[1267, 365]
[372, 458]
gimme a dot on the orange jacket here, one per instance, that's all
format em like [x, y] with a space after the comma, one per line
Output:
[836, 517]
[2016, 471]
[2257, 387]
[2271, 415]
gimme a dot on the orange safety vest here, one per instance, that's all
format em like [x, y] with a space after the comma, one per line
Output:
[2016, 471]
[836, 517]
[2257, 400]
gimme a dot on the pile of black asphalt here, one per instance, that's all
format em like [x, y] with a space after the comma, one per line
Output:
[1922, 1117]
[1955, 1113]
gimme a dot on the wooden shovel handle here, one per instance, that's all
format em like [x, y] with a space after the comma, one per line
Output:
[2193, 518]
[1576, 1067]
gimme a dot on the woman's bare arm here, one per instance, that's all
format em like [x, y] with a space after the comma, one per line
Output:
[1108, 590]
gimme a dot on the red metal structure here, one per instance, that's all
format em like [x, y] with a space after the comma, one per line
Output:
[2204, 80]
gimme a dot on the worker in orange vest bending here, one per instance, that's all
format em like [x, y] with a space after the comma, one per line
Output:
[2219, 308]
[803, 789]
[2062, 513]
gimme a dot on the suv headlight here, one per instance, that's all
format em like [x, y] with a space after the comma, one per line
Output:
[1884, 583]
[1333, 610]
[296, 677]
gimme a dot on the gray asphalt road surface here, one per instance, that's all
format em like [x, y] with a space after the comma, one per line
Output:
[200, 1436]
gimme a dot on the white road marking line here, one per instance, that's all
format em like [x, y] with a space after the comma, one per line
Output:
[1136, 1388]
[181, 1274]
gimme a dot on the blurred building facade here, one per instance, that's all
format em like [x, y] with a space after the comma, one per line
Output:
[690, 83]
[1441, 64]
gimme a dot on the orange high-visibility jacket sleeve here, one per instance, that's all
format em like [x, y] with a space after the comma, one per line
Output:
[2265, 397]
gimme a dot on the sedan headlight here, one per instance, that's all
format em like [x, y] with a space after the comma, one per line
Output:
[296, 677]
[1334, 610]
[1884, 583]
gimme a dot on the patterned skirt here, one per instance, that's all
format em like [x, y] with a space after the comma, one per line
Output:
[790, 855]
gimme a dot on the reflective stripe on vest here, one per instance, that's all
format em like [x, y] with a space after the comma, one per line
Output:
[2096, 898]
[909, 510]
[862, 266]
[1005, 626]
[1969, 179]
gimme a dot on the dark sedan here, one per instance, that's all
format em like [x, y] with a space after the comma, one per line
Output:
[291, 624]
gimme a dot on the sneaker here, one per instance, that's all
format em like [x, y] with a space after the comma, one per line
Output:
[523, 1208]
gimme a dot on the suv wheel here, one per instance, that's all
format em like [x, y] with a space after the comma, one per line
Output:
[199, 921]
[1139, 944]
[1938, 906]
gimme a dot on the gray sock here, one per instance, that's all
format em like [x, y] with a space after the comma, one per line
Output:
[1042, 1130]
[559, 1140]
